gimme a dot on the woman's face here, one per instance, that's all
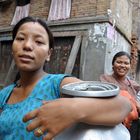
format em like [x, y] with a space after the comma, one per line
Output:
[31, 47]
[121, 66]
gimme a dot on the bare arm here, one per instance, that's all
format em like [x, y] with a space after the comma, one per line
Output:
[55, 116]
[99, 111]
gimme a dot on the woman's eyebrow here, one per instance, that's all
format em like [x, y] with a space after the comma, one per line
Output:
[20, 33]
[40, 36]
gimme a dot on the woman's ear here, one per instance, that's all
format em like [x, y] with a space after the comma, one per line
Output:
[113, 68]
[49, 55]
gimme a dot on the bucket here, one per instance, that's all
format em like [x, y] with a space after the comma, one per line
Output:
[83, 131]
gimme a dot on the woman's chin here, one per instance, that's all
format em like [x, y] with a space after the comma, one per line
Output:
[122, 74]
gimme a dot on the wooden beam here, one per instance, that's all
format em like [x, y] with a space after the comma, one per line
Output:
[73, 55]
[83, 57]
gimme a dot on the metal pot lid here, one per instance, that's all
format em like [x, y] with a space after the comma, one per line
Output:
[90, 89]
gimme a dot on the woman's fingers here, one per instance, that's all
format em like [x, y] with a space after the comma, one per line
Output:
[44, 102]
[31, 115]
[40, 131]
[36, 123]
[51, 118]
[49, 136]
[33, 125]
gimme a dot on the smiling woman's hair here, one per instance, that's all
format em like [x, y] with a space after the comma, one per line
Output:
[36, 20]
[119, 54]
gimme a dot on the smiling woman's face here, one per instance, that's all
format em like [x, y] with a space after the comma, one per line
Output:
[121, 66]
[31, 47]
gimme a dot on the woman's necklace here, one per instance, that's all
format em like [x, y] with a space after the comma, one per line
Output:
[18, 84]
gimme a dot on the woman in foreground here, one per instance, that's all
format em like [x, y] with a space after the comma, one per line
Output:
[32, 107]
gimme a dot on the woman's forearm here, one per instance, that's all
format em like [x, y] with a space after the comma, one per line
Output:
[57, 115]
[105, 111]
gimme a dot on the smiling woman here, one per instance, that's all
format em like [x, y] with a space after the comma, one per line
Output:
[129, 88]
[121, 67]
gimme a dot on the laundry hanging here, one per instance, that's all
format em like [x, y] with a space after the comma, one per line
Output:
[21, 11]
[59, 9]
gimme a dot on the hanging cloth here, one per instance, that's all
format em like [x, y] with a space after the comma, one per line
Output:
[59, 9]
[22, 10]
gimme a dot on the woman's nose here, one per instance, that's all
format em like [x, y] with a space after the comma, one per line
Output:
[123, 64]
[28, 45]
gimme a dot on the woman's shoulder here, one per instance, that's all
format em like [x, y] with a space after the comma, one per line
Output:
[105, 77]
[7, 88]
[55, 79]
[4, 93]
[57, 76]
[63, 78]
[134, 83]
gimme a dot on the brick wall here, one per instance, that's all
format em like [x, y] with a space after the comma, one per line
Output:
[40, 8]
[136, 20]
[134, 55]
[89, 8]
[6, 14]
[122, 14]
[80, 8]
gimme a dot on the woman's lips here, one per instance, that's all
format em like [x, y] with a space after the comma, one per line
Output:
[25, 58]
[121, 71]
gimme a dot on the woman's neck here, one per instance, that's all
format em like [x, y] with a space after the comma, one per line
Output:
[119, 78]
[29, 78]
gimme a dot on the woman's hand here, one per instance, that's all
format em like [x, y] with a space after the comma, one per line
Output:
[51, 118]
[54, 116]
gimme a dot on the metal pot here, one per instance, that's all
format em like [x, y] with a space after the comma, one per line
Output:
[83, 131]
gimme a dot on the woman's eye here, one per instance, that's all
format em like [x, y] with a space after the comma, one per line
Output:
[118, 62]
[126, 63]
[19, 38]
[39, 42]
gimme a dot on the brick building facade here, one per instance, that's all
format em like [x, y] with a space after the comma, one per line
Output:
[95, 26]
[80, 8]
[136, 34]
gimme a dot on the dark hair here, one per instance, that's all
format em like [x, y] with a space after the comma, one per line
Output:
[41, 22]
[122, 53]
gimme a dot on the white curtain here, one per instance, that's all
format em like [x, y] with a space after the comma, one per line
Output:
[59, 9]
[20, 12]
